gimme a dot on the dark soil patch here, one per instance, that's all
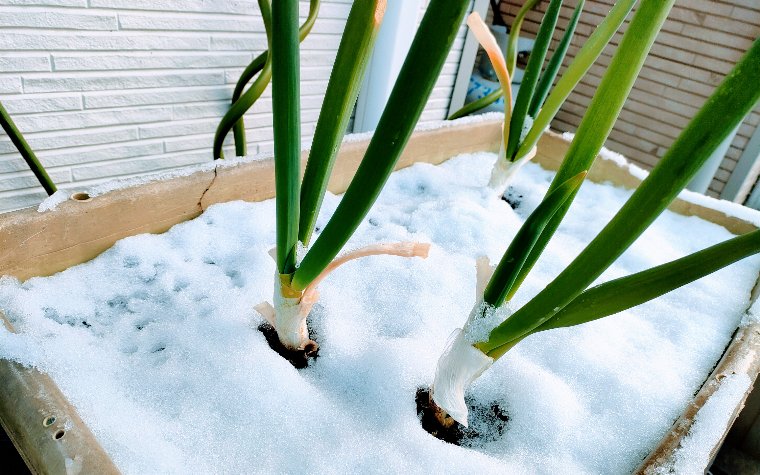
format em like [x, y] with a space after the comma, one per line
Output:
[488, 422]
[513, 198]
[298, 358]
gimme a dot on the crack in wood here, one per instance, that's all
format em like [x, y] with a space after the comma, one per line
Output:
[203, 195]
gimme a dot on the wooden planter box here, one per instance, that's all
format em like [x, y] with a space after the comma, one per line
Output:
[46, 429]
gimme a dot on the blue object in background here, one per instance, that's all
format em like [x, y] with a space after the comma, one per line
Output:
[483, 80]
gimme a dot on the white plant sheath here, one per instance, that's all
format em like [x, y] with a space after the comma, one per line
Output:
[504, 171]
[290, 319]
[459, 365]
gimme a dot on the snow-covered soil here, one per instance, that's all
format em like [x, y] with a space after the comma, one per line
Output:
[155, 341]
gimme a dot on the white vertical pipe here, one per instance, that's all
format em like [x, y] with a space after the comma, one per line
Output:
[392, 44]
[745, 173]
[701, 182]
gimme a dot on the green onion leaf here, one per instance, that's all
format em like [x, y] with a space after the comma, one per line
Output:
[415, 82]
[478, 104]
[552, 68]
[575, 71]
[720, 115]
[607, 102]
[506, 272]
[514, 34]
[530, 78]
[233, 118]
[621, 294]
[238, 130]
[26, 151]
[342, 90]
[286, 112]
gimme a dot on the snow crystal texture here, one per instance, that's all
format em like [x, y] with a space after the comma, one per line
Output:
[51, 202]
[156, 342]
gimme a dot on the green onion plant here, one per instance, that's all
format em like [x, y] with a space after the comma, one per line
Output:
[300, 269]
[489, 333]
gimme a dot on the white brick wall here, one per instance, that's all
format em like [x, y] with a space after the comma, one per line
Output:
[118, 88]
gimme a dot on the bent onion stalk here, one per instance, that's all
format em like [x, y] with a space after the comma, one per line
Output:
[546, 79]
[242, 101]
[510, 61]
[503, 169]
[491, 47]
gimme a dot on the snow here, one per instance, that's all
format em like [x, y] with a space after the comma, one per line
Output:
[155, 341]
[729, 208]
[51, 202]
[753, 314]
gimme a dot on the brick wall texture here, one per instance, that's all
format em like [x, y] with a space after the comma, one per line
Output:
[120, 88]
[698, 45]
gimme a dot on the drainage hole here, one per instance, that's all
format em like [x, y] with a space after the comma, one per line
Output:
[58, 435]
[81, 196]
[48, 421]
